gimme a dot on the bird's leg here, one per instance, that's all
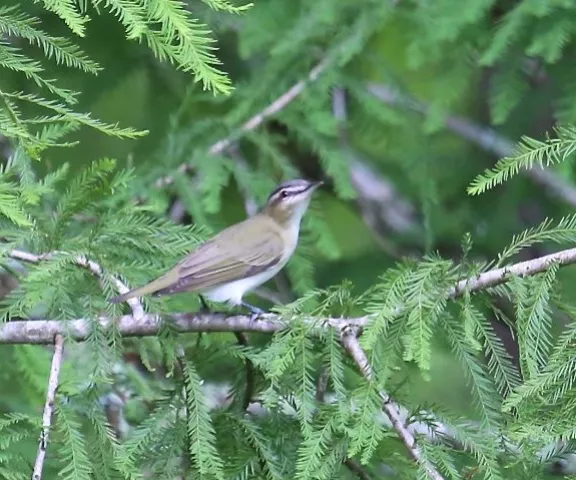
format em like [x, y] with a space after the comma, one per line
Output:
[205, 308]
[256, 312]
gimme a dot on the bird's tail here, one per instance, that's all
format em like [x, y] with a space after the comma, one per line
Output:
[151, 287]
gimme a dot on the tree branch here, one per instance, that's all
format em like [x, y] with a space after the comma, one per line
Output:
[43, 331]
[255, 121]
[351, 344]
[49, 406]
[381, 205]
[484, 137]
[501, 275]
[134, 303]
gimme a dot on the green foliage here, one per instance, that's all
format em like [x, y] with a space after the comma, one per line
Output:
[14, 429]
[545, 232]
[483, 379]
[529, 152]
[201, 435]
[75, 460]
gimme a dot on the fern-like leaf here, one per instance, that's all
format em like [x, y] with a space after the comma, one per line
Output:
[529, 151]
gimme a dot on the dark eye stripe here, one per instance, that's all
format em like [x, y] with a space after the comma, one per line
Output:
[291, 187]
[288, 192]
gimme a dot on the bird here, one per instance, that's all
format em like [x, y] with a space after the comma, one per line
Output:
[242, 256]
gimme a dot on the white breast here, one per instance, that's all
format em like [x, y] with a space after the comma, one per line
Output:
[234, 291]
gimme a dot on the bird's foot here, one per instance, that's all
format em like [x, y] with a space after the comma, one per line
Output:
[256, 312]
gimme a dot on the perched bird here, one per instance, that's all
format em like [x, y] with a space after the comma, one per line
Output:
[241, 257]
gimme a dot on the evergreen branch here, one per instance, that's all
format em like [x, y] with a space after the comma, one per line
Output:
[356, 467]
[135, 305]
[250, 385]
[484, 137]
[528, 152]
[63, 114]
[502, 275]
[350, 342]
[17, 23]
[49, 406]
[255, 121]
[43, 331]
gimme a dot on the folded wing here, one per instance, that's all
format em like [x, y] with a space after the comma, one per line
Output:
[216, 263]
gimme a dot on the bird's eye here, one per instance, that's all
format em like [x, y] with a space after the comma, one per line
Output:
[283, 194]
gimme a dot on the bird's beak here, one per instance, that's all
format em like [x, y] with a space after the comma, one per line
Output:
[315, 185]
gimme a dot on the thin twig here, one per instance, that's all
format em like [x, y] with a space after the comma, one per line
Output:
[43, 331]
[350, 463]
[486, 138]
[353, 347]
[250, 204]
[180, 360]
[250, 372]
[93, 267]
[322, 384]
[255, 121]
[49, 406]
[381, 205]
[135, 305]
[356, 467]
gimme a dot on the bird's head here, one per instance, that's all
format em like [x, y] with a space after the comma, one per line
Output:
[289, 200]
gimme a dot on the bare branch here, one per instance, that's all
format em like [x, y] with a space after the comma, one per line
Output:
[350, 342]
[250, 204]
[43, 331]
[484, 137]
[322, 384]
[49, 406]
[356, 467]
[521, 269]
[381, 205]
[254, 122]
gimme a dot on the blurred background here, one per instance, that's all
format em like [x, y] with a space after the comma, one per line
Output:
[409, 101]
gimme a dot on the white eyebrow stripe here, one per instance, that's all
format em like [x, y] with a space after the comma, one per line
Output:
[290, 189]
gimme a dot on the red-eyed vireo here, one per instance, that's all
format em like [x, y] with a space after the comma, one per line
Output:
[241, 257]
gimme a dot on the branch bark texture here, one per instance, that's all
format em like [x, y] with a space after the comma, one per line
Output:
[49, 406]
[352, 345]
[486, 138]
[44, 331]
[255, 121]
